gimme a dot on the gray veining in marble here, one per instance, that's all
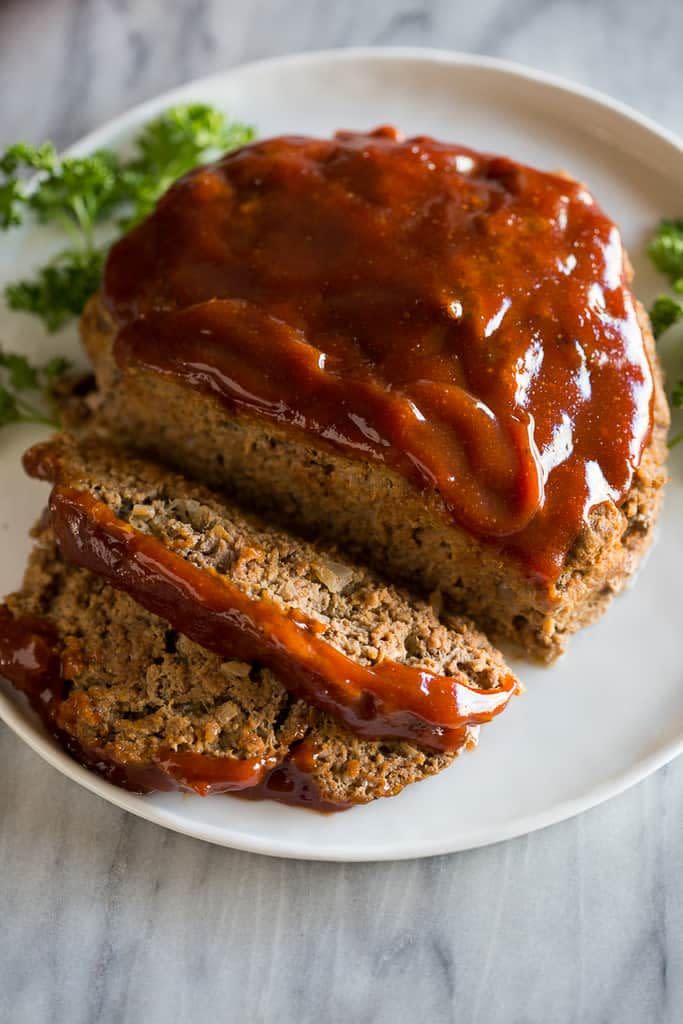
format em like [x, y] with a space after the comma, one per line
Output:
[104, 918]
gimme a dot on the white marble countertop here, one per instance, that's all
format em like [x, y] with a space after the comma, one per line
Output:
[105, 918]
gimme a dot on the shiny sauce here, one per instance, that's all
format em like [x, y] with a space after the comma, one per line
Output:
[458, 317]
[387, 700]
[32, 659]
[292, 782]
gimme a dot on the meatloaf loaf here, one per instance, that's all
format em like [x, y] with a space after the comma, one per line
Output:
[144, 706]
[383, 663]
[431, 355]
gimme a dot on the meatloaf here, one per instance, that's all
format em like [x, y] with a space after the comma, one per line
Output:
[144, 706]
[430, 355]
[377, 659]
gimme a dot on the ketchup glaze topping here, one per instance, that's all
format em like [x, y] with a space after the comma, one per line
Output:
[386, 700]
[459, 317]
[31, 658]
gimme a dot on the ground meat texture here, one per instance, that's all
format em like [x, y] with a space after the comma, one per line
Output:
[136, 688]
[376, 513]
[356, 611]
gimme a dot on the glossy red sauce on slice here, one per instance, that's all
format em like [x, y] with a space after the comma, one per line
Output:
[387, 700]
[206, 775]
[461, 318]
[31, 658]
[293, 782]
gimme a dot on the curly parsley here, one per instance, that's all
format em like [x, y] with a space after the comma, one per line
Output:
[666, 252]
[19, 376]
[77, 194]
[60, 290]
[170, 146]
[665, 312]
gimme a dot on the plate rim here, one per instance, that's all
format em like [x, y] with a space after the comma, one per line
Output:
[41, 743]
[136, 804]
[433, 55]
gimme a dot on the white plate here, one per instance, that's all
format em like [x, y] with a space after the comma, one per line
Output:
[612, 711]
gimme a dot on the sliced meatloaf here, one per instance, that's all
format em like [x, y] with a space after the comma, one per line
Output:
[373, 512]
[142, 705]
[430, 354]
[383, 663]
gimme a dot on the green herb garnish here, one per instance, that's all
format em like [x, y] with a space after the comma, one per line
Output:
[13, 195]
[60, 290]
[19, 376]
[666, 251]
[172, 145]
[665, 312]
[77, 194]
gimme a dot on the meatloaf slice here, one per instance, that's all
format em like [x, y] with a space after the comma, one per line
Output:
[372, 511]
[381, 662]
[149, 709]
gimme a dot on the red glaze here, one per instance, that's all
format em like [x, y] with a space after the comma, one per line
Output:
[457, 316]
[292, 782]
[31, 659]
[206, 775]
[387, 700]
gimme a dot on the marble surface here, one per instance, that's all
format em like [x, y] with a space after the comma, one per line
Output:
[108, 919]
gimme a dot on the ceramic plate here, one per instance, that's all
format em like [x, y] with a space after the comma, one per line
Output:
[611, 711]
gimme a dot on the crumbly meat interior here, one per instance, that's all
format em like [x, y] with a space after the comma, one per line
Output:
[136, 688]
[360, 614]
[375, 514]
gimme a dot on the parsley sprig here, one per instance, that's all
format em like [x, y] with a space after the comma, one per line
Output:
[665, 312]
[77, 194]
[60, 289]
[19, 379]
[91, 199]
[170, 146]
[666, 252]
